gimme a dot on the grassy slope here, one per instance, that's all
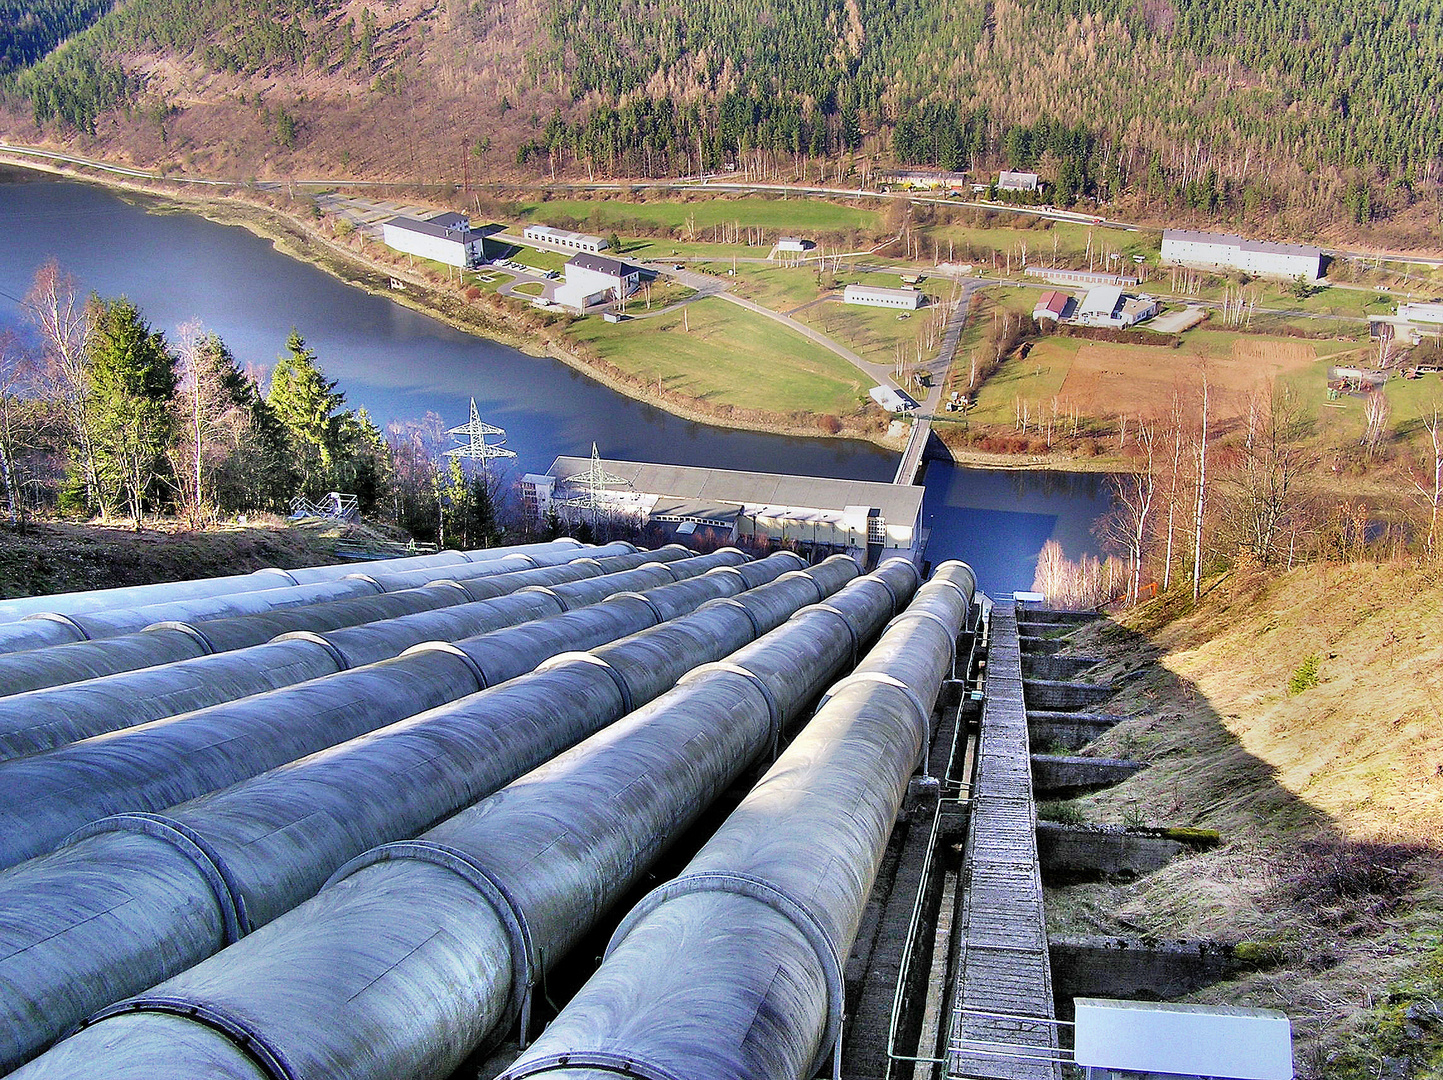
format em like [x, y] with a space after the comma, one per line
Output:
[56, 557]
[789, 215]
[1330, 799]
[720, 356]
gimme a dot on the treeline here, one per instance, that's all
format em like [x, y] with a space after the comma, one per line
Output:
[1190, 104]
[101, 414]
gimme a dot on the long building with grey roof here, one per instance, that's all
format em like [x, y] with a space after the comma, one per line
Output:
[1224, 251]
[867, 519]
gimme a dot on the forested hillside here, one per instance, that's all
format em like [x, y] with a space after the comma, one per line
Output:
[1226, 109]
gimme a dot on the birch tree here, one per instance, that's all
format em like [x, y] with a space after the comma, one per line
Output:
[1428, 484]
[66, 323]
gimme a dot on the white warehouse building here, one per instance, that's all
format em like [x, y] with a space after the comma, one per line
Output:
[596, 279]
[1109, 306]
[876, 296]
[447, 238]
[564, 238]
[1224, 251]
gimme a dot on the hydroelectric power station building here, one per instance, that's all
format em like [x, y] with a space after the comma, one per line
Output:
[871, 521]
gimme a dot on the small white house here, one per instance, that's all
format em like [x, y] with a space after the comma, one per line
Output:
[564, 238]
[447, 238]
[1018, 181]
[1224, 251]
[596, 279]
[892, 399]
[876, 296]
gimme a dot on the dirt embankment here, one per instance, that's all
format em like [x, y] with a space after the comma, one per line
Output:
[52, 557]
[1299, 716]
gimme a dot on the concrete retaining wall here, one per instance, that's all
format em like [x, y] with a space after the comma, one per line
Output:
[1055, 775]
[1056, 667]
[1068, 854]
[1070, 730]
[1136, 968]
[1067, 696]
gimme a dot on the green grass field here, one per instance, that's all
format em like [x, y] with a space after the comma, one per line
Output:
[777, 287]
[729, 356]
[800, 215]
[970, 242]
[1036, 378]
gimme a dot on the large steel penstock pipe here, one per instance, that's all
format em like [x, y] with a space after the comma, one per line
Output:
[734, 968]
[297, 645]
[418, 952]
[45, 797]
[75, 603]
[138, 898]
[168, 633]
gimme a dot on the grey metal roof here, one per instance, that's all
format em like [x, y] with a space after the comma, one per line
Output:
[431, 228]
[1189, 236]
[898, 502]
[601, 264]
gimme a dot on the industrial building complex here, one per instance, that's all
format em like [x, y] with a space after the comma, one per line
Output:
[870, 521]
[596, 279]
[876, 296]
[564, 238]
[1223, 251]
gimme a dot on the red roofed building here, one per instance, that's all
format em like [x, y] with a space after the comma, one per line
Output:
[1053, 305]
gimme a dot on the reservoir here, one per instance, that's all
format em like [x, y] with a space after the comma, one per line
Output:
[400, 365]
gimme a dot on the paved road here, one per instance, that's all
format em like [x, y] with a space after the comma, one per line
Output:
[706, 183]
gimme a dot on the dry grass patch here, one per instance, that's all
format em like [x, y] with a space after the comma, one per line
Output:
[1329, 797]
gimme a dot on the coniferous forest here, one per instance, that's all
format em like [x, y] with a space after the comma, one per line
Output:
[1216, 106]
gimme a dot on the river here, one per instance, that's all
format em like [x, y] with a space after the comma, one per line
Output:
[400, 364]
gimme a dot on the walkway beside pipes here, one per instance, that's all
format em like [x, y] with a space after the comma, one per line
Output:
[1003, 1023]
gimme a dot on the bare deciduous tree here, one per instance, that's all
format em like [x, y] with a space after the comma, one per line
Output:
[17, 374]
[1428, 486]
[1200, 506]
[1133, 492]
[1376, 411]
[1260, 494]
[67, 328]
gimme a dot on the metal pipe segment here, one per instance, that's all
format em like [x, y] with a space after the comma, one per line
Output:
[74, 603]
[418, 952]
[52, 716]
[47, 796]
[208, 871]
[113, 640]
[734, 968]
[49, 628]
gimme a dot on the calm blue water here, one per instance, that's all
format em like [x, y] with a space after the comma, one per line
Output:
[400, 365]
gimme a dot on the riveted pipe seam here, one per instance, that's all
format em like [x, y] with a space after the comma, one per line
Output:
[257, 1050]
[229, 899]
[622, 686]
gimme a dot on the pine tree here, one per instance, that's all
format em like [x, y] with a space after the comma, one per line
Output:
[132, 382]
[307, 405]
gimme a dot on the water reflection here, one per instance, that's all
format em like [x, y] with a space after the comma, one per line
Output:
[400, 364]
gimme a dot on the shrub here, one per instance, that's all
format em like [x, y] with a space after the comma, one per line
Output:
[1305, 677]
[1063, 813]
